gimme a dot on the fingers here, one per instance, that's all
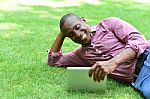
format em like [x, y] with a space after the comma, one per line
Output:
[99, 75]
[92, 70]
[98, 72]
[95, 74]
[103, 75]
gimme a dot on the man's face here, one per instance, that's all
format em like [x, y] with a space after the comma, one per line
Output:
[77, 30]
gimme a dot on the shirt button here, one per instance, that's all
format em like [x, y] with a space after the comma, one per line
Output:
[104, 55]
[96, 50]
[86, 52]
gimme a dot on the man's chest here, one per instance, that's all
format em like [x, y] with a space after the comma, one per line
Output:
[105, 40]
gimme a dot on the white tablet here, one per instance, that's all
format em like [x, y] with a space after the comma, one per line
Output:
[78, 79]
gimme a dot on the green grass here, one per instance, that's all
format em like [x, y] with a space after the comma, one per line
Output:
[29, 30]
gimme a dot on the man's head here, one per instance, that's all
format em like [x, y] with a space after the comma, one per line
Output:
[75, 28]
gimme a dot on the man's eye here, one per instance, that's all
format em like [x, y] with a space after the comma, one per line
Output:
[77, 27]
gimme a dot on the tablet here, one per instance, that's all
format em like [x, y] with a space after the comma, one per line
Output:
[78, 79]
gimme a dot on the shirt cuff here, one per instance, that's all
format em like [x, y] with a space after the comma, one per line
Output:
[139, 49]
[53, 57]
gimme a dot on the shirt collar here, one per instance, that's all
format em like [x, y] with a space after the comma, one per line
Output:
[93, 28]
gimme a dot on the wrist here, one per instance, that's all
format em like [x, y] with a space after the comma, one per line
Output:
[114, 63]
[117, 62]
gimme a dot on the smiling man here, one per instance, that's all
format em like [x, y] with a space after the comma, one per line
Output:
[112, 47]
[76, 29]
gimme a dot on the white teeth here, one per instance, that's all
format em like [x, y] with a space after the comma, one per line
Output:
[84, 36]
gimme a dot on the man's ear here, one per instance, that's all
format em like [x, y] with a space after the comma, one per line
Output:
[82, 18]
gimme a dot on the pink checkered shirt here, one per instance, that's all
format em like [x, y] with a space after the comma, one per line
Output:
[110, 37]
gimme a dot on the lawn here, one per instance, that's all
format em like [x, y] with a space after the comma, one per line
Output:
[28, 29]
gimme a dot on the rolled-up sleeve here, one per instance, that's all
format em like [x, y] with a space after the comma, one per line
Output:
[53, 57]
[64, 59]
[127, 34]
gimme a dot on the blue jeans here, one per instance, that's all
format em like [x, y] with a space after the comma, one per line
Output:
[142, 82]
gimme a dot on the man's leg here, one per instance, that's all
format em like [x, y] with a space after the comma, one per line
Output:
[142, 82]
[145, 88]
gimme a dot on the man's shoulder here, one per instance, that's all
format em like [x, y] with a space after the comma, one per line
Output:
[111, 18]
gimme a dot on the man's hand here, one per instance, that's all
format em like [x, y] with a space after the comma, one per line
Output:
[101, 68]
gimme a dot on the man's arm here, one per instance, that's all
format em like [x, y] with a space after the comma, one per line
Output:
[124, 56]
[135, 44]
[101, 68]
[57, 58]
[58, 43]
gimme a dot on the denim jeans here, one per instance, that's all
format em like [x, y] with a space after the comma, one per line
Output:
[142, 82]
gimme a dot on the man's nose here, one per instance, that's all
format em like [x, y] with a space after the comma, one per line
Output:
[78, 34]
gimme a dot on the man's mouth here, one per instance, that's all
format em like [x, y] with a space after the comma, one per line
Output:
[82, 39]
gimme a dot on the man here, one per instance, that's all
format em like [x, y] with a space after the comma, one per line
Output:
[112, 47]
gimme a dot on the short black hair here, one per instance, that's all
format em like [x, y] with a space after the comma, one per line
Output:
[64, 18]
